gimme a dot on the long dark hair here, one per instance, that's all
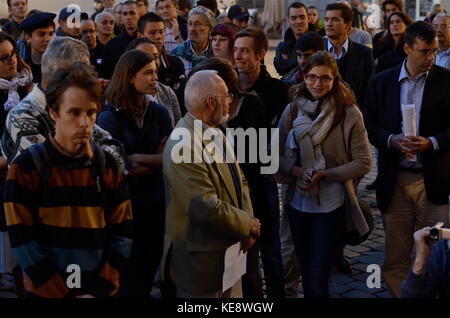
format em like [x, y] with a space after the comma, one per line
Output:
[387, 41]
[339, 97]
[20, 63]
[120, 92]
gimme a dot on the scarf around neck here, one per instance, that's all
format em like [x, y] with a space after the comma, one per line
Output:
[309, 134]
[20, 79]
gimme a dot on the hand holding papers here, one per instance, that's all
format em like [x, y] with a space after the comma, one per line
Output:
[409, 125]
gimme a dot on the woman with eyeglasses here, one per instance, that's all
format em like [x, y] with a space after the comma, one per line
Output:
[15, 84]
[388, 51]
[142, 126]
[323, 151]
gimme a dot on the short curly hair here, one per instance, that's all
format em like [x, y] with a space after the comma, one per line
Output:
[77, 75]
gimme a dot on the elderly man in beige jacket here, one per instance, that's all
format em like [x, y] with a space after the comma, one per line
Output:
[208, 203]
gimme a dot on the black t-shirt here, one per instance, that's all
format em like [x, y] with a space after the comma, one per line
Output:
[274, 94]
[35, 68]
[96, 56]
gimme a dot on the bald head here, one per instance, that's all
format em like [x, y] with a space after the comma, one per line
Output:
[207, 98]
[199, 87]
[105, 23]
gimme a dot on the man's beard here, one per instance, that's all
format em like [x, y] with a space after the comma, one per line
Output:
[224, 119]
[221, 119]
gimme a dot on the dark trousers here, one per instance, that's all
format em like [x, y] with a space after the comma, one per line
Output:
[266, 208]
[317, 237]
[146, 251]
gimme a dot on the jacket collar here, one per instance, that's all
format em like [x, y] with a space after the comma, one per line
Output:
[222, 168]
[37, 97]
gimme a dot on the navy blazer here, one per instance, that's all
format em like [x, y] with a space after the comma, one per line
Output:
[358, 68]
[382, 115]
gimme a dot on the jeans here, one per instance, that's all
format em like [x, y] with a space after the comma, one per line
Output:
[266, 208]
[317, 237]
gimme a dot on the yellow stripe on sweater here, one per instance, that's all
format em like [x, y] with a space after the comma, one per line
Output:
[17, 213]
[73, 217]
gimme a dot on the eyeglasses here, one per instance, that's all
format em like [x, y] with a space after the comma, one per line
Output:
[6, 58]
[230, 96]
[428, 52]
[84, 32]
[325, 79]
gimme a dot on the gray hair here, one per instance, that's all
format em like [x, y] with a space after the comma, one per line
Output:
[441, 15]
[101, 15]
[62, 52]
[209, 16]
[199, 88]
[221, 17]
[117, 6]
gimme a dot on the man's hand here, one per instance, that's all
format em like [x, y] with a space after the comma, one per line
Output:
[135, 158]
[398, 142]
[284, 56]
[175, 28]
[418, 143]
[138, 170]
[255, 228]
[423, 249]
[247, 243]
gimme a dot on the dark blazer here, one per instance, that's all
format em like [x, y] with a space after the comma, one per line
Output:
[383, 117]
[112, 52]
[288, 47]
[182, 25]
[356, 67]
[13, 28]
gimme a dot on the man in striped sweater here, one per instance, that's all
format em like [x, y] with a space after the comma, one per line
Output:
[67, 207]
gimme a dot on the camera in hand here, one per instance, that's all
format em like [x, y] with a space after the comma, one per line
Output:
[438, 233]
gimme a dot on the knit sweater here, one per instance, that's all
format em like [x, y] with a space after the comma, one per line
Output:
[69, 221]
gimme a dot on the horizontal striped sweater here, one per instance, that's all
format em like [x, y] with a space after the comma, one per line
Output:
[67, 222]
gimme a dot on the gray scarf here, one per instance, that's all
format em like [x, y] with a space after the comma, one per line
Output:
[310, 134]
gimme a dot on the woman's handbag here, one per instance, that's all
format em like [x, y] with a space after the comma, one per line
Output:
[354, 221]
[353, 237]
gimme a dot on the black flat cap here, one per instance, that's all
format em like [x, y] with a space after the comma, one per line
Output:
[38, 20]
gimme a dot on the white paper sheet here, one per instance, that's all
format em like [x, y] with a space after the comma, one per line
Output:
[409, 123]
[235, 266]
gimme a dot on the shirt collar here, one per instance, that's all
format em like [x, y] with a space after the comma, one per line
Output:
[405, 74]
[446, 52]
[344, 46]
[203, 52]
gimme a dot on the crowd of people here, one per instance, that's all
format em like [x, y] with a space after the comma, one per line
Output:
[91, 122]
